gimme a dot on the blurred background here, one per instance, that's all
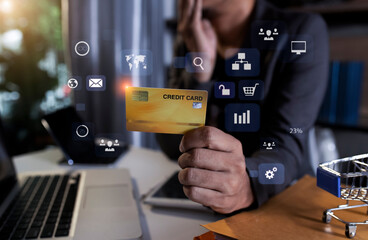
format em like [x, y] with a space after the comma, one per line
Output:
[37, 39]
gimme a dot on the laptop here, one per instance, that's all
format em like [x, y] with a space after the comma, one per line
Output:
[90, 204]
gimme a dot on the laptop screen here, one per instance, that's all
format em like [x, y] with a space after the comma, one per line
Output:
[7, 172]
[78, 144]
[60, 125]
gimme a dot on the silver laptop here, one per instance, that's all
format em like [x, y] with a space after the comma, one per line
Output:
[91, 204]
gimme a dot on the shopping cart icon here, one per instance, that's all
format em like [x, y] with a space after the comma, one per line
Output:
[249, 91]
[346, 179]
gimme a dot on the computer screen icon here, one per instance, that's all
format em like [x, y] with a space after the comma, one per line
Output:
[298, 47]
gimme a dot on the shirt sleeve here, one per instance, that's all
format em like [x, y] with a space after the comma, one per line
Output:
[294, 100]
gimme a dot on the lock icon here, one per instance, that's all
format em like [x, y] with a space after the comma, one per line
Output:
[225, 92]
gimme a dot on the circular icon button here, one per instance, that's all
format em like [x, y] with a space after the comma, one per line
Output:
[82, 131]
[82, 48]
[73, 83]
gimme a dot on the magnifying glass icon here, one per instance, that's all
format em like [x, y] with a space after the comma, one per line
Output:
[198, 62]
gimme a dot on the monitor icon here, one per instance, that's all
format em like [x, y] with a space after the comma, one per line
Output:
[298, 47]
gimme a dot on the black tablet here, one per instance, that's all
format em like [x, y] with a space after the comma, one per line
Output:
[170, 194]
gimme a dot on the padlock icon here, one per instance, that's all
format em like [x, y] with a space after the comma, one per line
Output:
[225, 92]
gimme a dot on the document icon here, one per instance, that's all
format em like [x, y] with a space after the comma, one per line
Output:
[96, 83]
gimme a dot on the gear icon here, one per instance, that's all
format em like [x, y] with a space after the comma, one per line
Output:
[269, 174]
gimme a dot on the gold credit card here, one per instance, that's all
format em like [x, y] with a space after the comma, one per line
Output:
[163, 110]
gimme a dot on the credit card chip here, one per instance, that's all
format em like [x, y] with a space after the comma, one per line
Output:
[197, 105]
[140, 96]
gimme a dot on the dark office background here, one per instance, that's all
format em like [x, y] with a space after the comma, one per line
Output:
[36, 60]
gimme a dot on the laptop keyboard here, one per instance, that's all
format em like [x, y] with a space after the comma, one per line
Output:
[43, 208]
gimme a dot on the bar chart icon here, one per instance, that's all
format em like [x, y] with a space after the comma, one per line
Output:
[242, 117]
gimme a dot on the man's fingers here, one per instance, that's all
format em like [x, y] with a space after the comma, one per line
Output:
[186, 12]
[208, 137]
[205, 159]
[180, 9]
[197, 12]
[204, 179]
[203, 196]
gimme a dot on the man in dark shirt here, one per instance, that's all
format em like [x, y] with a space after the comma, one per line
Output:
[216, 165]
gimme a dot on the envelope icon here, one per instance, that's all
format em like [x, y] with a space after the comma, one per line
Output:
[96, 83]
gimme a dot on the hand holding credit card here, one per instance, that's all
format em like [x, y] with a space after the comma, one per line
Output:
[163, 110]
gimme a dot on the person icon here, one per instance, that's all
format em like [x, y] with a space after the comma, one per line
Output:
[109, 147]
[261, 32]
[268, 36]
[102, 143]
[269, 146]
[275, 32]
[116, 143]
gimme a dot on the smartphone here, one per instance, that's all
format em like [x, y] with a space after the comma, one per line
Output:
[170, 194]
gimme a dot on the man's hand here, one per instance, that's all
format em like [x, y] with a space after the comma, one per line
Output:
[198, 34]
[214, 170]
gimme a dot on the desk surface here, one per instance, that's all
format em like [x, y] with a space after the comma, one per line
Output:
[148, 168]
[296, 213]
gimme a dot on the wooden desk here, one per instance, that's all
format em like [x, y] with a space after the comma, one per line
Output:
[296, 213]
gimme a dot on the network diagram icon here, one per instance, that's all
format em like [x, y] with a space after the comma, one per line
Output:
[241, 60]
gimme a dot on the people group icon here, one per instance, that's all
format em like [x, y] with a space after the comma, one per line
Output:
[268, 34]
[110, 145]
[269, 145]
